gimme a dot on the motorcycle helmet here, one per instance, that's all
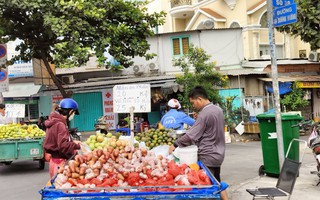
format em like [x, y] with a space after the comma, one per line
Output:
[69, 104]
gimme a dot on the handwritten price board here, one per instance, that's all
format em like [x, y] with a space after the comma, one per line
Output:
[15, 110]
[131, 95]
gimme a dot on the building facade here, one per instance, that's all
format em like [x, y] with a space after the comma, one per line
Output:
[250, 15]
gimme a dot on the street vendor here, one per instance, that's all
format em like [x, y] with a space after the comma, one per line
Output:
[58, 142]
[3, 118]
[174, 118]
[207, 133]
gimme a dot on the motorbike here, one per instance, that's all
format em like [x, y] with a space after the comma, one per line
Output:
[314, 145]
[101, 125]
[75, 134]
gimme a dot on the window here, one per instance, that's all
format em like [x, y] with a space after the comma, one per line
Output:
[180, 45]
[265, 51]
[264, 20]
[235, 25]
[32, 111]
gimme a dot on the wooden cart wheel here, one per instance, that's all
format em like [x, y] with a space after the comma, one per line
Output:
[261, 170]
[41, 164]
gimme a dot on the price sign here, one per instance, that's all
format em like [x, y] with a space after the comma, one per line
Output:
[15, 110]
[131, 95]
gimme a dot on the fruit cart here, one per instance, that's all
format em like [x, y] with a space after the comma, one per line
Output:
[137, 193]
[22, 149]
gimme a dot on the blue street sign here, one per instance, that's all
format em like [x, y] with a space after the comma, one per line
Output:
[285, 15]
[280, 3]
[3, 51]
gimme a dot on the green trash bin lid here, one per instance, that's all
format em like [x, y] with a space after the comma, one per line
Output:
[284, 116]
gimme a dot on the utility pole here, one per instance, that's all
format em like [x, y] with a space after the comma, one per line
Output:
[275, 83]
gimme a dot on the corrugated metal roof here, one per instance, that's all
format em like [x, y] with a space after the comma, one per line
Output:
[304, 78]
[155, 81]
[243, 71]
[21, 90]
[265, 63]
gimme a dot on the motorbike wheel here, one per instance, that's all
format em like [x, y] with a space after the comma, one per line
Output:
[42, 164]
[261, 170]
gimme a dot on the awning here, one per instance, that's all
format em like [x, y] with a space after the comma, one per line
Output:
[293, 78]
[21, 90]
[99, 84]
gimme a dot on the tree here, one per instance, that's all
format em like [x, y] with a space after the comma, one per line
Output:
[198, 69]
[233, 115]
[308, 24]
[295, 99]
[66, 32]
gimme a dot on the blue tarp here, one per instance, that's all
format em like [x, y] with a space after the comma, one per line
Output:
[284, 87]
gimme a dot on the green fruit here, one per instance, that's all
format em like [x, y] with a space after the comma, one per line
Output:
[91, 145]
[100, 138]
[109, 135]
[93, 137]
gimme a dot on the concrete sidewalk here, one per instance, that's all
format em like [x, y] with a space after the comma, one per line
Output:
[305, 187]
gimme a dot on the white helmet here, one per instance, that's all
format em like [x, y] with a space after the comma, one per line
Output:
[174, 103]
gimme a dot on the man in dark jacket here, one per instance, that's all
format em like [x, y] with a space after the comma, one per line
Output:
[58, 142]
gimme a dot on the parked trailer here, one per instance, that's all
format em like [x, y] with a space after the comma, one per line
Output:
[22, 149]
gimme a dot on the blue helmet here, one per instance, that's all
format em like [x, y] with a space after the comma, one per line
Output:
[69, 104]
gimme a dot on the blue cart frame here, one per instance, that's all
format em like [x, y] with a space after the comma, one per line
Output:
[197, 192]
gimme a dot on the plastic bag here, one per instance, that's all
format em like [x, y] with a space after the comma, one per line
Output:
[314, 134]
[161, 150]
[84, 149]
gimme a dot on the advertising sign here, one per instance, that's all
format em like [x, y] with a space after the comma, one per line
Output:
[20, 69]
[109, 116]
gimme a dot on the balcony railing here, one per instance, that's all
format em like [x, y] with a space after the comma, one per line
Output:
[176, 3]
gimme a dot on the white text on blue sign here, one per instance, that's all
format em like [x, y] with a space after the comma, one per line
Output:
[285, 15]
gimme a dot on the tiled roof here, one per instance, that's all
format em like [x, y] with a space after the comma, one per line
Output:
[256, 5]
[212, 13]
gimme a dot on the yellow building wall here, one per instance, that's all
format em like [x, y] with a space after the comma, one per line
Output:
[253, 35]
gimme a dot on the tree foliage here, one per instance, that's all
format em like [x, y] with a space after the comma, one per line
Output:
[308, 24]
[198, 69]
[295, 99]
[66, 32]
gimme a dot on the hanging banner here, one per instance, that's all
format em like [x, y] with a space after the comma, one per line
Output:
[109, 116]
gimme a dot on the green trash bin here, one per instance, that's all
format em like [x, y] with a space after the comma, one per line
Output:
[269, 143]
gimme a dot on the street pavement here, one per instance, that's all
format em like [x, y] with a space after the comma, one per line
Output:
[241, 165]
[242, 161]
